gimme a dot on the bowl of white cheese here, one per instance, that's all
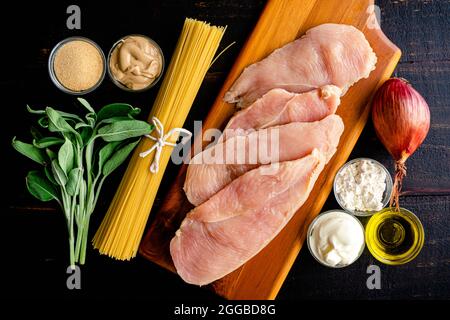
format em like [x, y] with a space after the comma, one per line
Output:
[335, 238]
[362, 186]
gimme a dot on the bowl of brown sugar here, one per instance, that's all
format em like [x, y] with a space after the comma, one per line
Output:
[77, 65]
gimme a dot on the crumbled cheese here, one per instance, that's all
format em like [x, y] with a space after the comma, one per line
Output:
[360, 186]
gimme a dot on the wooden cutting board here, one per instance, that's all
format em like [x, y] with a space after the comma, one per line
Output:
[281, 22]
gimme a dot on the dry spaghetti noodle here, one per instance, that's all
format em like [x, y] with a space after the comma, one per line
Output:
[123, 226]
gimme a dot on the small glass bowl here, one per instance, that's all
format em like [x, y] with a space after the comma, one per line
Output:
[386, 195]
[374, 242]
[117, 82]
[311, 229]
[51, 70]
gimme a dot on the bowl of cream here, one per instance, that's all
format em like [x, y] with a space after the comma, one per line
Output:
[335, 238]
[362, 186]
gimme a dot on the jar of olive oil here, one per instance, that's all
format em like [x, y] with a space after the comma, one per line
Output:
[394, 237]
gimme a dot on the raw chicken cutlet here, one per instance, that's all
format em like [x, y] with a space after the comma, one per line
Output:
[329, 54]
[279, 106]
[222, 234]
[211, 170]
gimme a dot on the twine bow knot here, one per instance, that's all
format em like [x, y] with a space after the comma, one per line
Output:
[161, 141]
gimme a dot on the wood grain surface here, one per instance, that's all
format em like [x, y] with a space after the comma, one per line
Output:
[281, 22]
[34, 239]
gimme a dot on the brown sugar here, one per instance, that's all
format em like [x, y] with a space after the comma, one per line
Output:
[78, 65]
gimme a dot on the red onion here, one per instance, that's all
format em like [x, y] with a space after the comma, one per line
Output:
[401, 118]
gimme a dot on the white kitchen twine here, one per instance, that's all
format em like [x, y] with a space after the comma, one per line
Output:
[160, 142]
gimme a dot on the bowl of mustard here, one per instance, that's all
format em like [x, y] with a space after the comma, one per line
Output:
[135, 63]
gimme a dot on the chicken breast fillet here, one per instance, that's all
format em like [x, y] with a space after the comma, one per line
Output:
[215, 167]
[278, 107]
[222, 234]
[329, 54]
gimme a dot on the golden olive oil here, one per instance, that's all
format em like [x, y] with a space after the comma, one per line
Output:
[394, 237]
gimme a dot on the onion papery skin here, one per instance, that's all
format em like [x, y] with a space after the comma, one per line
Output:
[401, 118]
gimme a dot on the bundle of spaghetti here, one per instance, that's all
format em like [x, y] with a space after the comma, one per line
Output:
[122, 228]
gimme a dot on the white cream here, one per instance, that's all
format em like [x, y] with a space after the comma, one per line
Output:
[336, 238]
[360, 186]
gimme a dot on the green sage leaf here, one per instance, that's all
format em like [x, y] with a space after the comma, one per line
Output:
[56, 121]
[82, 125]
[86, 104]
[30, 151]
[122, 130]
[106, 152]
[73, 182]
[69, 116]
[113, 119]
[40, 187]
[117, 110]
[86, 134]
[62, 113]
[51, 154]
[35, 111]
[43, 122]
[118, 158]
[49, 174]
[66, 156]
[47, 142]
[58, 173]
[92, 119]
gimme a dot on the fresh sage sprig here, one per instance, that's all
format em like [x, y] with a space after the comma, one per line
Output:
[76, 155]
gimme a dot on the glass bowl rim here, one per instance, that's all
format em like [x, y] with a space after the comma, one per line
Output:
[117, 82]
[51, 70]
[387, 193]
[418, 247]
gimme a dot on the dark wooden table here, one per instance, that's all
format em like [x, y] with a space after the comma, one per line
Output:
[34, 245]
